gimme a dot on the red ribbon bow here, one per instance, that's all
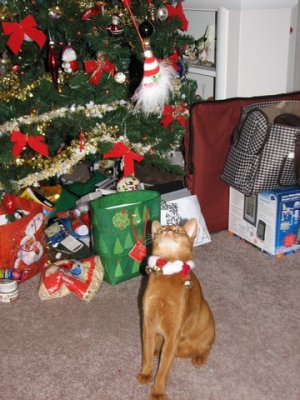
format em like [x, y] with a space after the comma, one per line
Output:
[18, 31]
[63, 276]
[174, 113]
[178, 12]
[97, 67]
[21, 140]
[120, 150]
[173, 60]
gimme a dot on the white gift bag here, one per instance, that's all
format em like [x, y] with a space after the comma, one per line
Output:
[177, 211]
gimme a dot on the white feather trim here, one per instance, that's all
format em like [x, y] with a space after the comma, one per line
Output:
[151, 98]
[171, 267]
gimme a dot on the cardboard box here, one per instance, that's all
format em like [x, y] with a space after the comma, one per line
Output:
[269, 220]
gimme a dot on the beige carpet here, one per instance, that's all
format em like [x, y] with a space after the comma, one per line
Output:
[67, 349]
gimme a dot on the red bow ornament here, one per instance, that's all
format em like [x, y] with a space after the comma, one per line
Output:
[120, 150]
[18, 31]
[97, 67]
[174, 113]
[173, 59]
[178, 12]
[34, 142]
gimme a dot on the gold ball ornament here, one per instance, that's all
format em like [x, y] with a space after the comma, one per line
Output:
[55, 12]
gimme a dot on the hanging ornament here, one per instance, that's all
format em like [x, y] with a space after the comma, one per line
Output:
[55, 12]
[98, 9]
[115, 27]
[146, 29]
[127, 183]
[120, 77]
[69, 59]
[162, 13]
[52, 63]
[156, 86]
[5, 64]
[152, 10]
[81, 141]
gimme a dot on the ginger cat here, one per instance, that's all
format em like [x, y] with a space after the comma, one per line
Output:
[177, 320]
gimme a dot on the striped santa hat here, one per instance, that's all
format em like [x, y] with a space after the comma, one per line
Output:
[151, 69]
[156, 87]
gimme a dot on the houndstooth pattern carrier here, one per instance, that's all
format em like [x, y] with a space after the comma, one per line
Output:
[261, 156]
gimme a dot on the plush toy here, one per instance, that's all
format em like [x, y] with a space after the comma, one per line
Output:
[128, 183]
[69, 60]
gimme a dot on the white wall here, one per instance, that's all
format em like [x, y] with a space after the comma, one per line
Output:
[297, 59]
[256, 52]
[264, 52]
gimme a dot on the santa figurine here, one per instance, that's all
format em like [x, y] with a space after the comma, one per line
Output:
[69, 59]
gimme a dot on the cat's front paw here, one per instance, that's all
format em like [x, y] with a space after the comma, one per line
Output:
[144, 379]
[198, 361]
[157, 396]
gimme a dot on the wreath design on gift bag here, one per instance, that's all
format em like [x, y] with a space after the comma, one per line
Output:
[121, 220]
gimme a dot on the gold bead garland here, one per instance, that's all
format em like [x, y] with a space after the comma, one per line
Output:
[16, 91]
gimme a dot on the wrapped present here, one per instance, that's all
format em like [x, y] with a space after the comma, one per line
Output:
[83, 278]
[120, 225]
[22, 240]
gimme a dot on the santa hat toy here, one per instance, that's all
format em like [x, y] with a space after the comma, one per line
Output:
[69, 60]
[156, 87]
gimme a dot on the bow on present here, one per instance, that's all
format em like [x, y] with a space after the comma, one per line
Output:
[174, 113]
[120, 150]
[97, 67]
[21, 140]
[19, 30]
[178, 12]
[69, 274]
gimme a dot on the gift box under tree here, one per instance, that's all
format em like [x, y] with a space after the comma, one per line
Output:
[121, 224]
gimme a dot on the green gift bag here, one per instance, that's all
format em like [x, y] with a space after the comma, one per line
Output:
[120, 223]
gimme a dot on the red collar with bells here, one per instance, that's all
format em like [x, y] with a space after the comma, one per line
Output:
[164, 267]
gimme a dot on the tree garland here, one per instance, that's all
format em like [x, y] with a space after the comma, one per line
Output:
[75, 152]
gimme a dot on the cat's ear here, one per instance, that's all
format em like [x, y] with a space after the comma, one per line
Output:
[191, 228]
[154, 228]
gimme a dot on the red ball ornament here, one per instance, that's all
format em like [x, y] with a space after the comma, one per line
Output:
[98, 9]
[15, 68]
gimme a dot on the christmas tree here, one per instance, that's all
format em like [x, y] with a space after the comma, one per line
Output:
[79, 77]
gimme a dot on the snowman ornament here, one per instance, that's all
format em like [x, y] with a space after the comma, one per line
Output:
[69, 60]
